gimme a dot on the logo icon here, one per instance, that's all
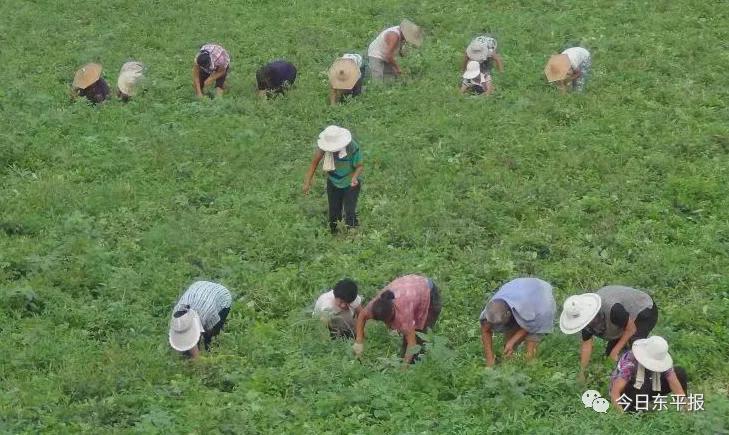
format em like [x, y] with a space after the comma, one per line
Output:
[593, 399]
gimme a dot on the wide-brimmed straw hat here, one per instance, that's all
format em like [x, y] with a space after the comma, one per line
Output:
[129, 77]
[481, 48]
[185, 331]
[473, 69]
[578, 312]
[344, 74]
[652, 353]
[412, 32]
[334, 138]
[557, 67]
[87, 75]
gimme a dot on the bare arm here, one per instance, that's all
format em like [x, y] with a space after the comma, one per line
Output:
[630, 330]
[393, 42]
[616, 390]
[675, 384]
[531, 349]
[218, 73]
[411, 340]
[585, 353]
[196, 80]
[487, 341]
[318, 155]
[355, 176]
[499, 61]
[514, 341]
[359, 329]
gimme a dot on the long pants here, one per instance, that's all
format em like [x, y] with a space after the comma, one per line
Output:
[381, 70]
[631, 392]
[433, 312]
[342, 199]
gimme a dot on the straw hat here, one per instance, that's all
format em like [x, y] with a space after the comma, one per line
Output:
[185, 331]
[578, 312]
[473, 69]
[557, 67]
[344, 74]
[481, 48]
[412, 32]
[334, 138]
[87, 75]
[652, 353]
[129, 77]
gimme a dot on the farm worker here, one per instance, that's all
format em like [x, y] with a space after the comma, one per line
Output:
[482, 50]
[201, 310]
[474, 81]
[130, 77]
[615, 313]
[87, 82]
[343, 164]
[345, 77]
[211, 65]
[383, 50]
[647, 369]
[409, 304]
[275, 78]
[338, 308]
[571, 67]
[523, 309]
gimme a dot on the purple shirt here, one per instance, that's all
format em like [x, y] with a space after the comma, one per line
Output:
[627, 368]
[276, 75]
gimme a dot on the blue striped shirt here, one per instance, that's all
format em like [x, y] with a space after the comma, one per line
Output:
[207, 299]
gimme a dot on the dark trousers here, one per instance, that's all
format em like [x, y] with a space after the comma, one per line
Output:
[433, 312]
[645, 321]
[208, 335]
[631, 392]
[342, 199]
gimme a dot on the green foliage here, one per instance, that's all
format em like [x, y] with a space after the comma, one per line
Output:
[109, 212]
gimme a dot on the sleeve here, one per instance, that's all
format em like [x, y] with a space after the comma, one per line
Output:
[357, 157]
[357, 302]
[619, 316]
[626, 367]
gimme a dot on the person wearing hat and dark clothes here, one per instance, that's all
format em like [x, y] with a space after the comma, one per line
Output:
[338, 308]
[345, 78]
[200, 311]
[409, 304]
[343, 164]
[523, 309]
[617, 314]
[275, 78]
[646, 370]
[88, 83]
[212, 63]
[383, 50]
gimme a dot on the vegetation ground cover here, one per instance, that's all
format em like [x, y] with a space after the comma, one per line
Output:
[109, 212]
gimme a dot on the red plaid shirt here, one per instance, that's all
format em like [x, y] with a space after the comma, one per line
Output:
[412, 301]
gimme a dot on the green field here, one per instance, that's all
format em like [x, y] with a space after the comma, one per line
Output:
[109, 212]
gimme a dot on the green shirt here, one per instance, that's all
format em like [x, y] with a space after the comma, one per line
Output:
[341, 176]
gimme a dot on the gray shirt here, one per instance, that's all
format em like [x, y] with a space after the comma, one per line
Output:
[207, 299]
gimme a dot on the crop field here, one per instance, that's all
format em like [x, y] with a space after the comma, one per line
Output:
[108, 213]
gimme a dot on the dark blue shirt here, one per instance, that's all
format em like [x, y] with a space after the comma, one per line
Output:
[276, 76]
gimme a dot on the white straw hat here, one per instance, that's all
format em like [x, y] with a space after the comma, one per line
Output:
[578, 312]
[129, 77]
[185, 331]
[344, 74]
[412, 32]
[557, 67]
[473, 69]
[334, 138]
[652, 353]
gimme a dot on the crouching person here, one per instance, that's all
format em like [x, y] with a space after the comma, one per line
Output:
[338, 308]
[646, 370]
[201, 311]
[523, 309]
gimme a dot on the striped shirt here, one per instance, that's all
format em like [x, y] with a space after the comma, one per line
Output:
[218, 55]
[207, 299]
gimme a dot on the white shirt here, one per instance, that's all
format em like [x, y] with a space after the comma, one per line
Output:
[355, 57]
[378, 47]
[326, 305]
[577, 55]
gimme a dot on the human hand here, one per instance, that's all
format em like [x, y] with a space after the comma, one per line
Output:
[307, 187]
[208, 81]
[358, 349]
[614, 355]
[508, 350]
[581, 378]
[490, 361]
[355, 182]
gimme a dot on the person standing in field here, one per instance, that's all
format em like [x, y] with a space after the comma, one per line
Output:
[211, 65]
[338, 308]
[345, 78]
[647, 369]
[482, 50]
[387, 45]
[130, 77]
[343, 164]
[615, 313]
[201, 311]
[524, 310]
[88, 83]
[409, 304]
[571, 68]
[275, 78]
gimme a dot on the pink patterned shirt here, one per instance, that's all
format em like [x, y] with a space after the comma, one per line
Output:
[220, 57]
[412, 301]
